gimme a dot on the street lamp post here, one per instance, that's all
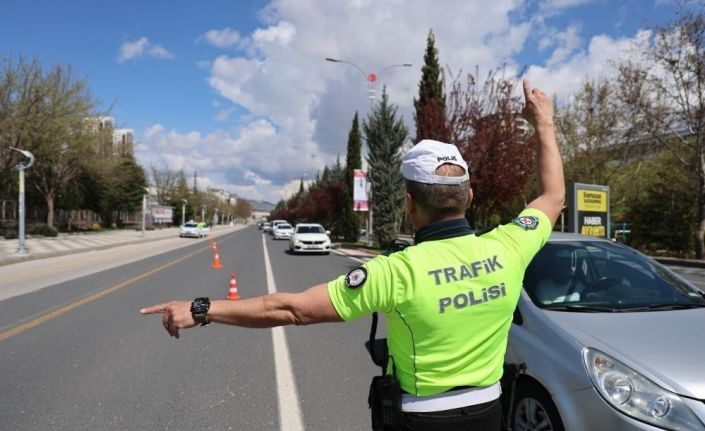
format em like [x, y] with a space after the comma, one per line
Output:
[183, 211]
[21, 204]
[203, 213]
[144, 208]
[371, 79]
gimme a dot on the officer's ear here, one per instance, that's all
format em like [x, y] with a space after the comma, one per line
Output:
[470, 196]
[410, 204]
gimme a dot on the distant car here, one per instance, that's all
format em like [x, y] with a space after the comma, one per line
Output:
[192, 230]
[274, 224]
[604, 338]
[204, 228]
[266, 227]
[282, 231]
[309, 238]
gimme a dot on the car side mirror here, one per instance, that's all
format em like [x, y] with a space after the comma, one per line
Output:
[327, 232]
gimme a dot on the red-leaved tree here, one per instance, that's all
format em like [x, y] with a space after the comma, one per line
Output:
[485, 124]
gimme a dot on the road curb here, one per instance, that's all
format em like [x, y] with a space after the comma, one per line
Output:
[9, 260]
[691, 263]
[18, 258]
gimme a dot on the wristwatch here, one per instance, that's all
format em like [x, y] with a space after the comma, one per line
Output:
[199, 309]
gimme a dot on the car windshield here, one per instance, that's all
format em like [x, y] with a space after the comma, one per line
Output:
[310, 229]
[603, 276]
[190, 225]
[284, 226]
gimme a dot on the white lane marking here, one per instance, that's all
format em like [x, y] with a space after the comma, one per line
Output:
[356, 259]
[289, 412]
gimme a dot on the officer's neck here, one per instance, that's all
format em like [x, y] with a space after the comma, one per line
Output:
[446, 227]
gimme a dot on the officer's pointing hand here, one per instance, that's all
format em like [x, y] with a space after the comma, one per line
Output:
[176, 315]
[538, 109]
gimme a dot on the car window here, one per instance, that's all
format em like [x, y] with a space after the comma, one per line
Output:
[284, 226]
[190, 225]
[593, 273]
[309, 229]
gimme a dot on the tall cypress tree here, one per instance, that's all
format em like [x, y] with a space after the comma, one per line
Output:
[385, 135]
[351, 221]
[430, 116]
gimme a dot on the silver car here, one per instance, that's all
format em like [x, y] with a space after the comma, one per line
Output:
[282, 231]
[604, 338]
[191, 229]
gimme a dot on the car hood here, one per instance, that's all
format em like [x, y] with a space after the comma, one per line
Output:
[311, 236]
[665, 346]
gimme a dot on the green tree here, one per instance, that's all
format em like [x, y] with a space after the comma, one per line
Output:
[353, 160]
[595, 139]
[129, 181]
[385, 134]
[665, 91]
[485, 125]
[661, 206]
[46, 112]
[430, 107]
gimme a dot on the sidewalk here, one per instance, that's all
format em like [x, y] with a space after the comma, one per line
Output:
[40, 247]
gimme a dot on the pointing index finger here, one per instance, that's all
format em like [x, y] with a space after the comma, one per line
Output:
[527, 89]
[154, 309]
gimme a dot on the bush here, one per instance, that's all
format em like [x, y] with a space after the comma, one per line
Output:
[42, 229]
[49, 231]
[95, 226]
[9, 233]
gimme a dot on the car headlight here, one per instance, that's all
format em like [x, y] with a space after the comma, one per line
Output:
[635, 395]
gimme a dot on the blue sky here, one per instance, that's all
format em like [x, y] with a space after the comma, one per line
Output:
[239, 91]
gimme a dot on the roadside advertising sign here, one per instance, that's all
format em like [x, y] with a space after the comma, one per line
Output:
[360, 201]
[162, 214]
[590, 210]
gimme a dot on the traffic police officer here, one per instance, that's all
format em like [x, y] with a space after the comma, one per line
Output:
[448, 300]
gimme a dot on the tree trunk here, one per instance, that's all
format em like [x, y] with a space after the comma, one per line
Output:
[50, 210]
[700, 232]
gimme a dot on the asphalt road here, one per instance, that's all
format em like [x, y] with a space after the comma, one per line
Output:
[79, 356]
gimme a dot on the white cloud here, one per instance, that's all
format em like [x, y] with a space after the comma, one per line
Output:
[568, 41]
[551, 7]
[597, 61]
[282, 33]
[142, 47]
[299, 108]
[224, 38]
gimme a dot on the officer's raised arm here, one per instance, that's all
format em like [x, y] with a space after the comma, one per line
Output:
[539, 112]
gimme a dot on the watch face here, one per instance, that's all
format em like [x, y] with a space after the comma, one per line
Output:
[200, 306]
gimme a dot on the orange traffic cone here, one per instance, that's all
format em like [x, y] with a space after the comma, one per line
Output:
[232, 288]
[216, 260]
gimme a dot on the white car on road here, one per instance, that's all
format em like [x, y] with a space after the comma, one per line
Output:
[192, 229]
[309, 238]
[282, 231]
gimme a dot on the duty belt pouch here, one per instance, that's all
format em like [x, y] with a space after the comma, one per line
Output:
[385, 402]
[385, 392]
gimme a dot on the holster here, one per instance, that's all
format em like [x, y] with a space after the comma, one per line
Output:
[385, 392]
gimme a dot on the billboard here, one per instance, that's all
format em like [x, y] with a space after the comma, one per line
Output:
[162, 214]
[590, 210]
[360, 201]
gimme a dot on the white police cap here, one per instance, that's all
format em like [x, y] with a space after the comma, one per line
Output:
[421, 161]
